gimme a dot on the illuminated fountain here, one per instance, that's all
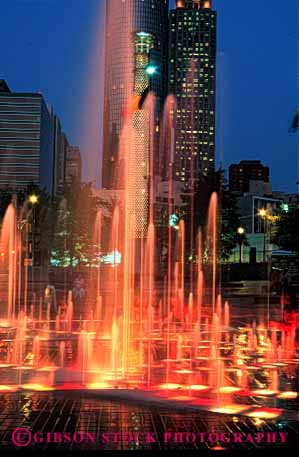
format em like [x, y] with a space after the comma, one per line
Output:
[9, 253]
[164, 342]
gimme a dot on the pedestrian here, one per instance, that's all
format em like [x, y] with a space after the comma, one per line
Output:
[297, 382]
[285, 281]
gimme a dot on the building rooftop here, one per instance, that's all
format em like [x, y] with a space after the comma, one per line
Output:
[194, 4]
[4, 87]
[247, 162]
[4, 90]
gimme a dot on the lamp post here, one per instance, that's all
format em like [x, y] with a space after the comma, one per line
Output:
[33, 200]
[263, 214]
[241, 233]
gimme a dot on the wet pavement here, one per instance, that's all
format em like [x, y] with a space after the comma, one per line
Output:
[71, 421]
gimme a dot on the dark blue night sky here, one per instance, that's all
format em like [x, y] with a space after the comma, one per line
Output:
[53, 46]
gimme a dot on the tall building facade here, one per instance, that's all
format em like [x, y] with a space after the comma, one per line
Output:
[60, 145]
[26, 140]
[124, 20]
[73, 165]
[192, 79]
[242, 173]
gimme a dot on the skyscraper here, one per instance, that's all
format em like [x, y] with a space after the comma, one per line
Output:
[26, 140]
[192, 79]
[124, 20]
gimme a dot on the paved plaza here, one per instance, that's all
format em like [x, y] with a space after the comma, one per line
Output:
[108, 425]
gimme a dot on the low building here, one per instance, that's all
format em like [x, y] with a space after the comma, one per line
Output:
[257, 215]
[242, 173]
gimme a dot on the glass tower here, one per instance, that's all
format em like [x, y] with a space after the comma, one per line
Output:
[139, 160]
[124, 19]
[192, 79]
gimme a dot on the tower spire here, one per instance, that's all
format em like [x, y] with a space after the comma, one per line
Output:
[194, 4]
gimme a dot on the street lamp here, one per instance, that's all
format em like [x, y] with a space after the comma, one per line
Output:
[33, 199]
[262, 212]
[241, 233]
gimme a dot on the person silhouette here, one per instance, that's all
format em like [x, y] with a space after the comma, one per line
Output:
[79, 295]
[296, 382]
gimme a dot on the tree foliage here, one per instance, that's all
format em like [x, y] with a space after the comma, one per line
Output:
[40, 216]
[229, 222]
[20, 197]
[286, 233]
[74, 232]
[228, 216]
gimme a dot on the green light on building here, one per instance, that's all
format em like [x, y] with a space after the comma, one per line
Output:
[285, 207]
[151, 70]
[174, 221]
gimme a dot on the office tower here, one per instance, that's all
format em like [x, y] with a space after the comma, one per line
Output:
[60, 145]
[73, 165]
[124, 19]
[57, 150]
[64, 144]
[242, 173]
[26, 140]
[192, 79]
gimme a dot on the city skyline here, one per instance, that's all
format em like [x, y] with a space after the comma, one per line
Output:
[244, 129]
[146, 301]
